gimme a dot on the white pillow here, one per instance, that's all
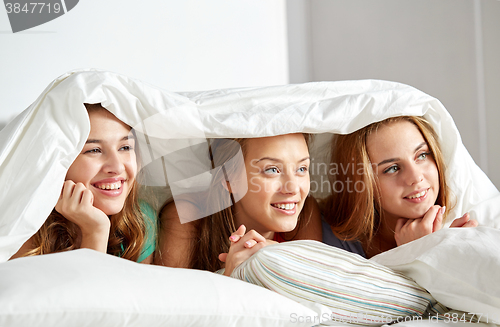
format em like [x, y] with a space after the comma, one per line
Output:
[88, 288]
[460, 267]
[351, 288]
[46, 138]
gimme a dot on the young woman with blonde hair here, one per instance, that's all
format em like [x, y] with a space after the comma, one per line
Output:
[391, 186]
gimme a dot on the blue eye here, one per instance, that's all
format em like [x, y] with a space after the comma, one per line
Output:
[303, 170]
[271, 170]
[391, 169]
[423, 155]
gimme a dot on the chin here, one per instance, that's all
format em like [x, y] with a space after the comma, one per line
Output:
[419, 214]
[288, 227]
[110, 210]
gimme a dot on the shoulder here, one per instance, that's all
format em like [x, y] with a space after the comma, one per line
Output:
[147, 209]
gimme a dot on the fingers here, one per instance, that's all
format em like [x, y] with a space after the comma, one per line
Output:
[241, 250]
[464, 221]
[236, 236]
[249, 239]
[459, 222]
[67, 189]
[71, 196]
[250, 243]
[408, 230]
[438, 222]
[431, 215]
[223, 257]
[471, 223]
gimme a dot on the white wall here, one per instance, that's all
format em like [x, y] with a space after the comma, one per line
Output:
[178, 45]
[447, 48]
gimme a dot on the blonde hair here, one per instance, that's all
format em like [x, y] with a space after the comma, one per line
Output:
[212, 232]
[358, 215]
[126, 235]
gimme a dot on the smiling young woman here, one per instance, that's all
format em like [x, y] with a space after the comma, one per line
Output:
[404, 194]
[98, 206]
[267, 194]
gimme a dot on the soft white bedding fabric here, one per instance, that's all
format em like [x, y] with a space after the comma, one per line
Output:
[85, 288]
[39, 145]
[37, 148]
[458, 266]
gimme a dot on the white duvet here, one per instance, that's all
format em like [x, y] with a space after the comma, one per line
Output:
[459, 268]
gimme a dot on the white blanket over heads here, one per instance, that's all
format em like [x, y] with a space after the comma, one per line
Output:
[38, 147]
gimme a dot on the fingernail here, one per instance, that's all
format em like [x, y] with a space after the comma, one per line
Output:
[443, 209]
[248, 244]
[232, 238]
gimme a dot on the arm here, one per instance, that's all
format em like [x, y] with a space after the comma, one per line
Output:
[76, 205]
[175, 239]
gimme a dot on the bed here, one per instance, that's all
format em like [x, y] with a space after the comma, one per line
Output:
[85, 288]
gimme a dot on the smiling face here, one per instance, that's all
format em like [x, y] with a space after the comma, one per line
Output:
[277, 172]
[107, 165]
[406, 170]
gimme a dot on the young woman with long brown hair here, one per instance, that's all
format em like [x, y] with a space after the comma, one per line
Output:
[98, 207]
[266, 192]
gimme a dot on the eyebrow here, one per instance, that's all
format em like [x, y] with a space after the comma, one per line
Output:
[396, 159]
[100, 141]
[278, 160]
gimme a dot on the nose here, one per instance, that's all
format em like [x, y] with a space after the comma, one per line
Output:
[290, 184]
[114, 163]
[414, 174]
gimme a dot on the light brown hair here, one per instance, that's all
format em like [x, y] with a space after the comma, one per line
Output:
[212, 232]
[126, 236]
[357, 215]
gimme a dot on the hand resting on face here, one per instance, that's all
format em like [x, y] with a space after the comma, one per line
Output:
[408, 230]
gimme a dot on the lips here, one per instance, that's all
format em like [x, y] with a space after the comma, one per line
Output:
[417, 194]
[110, 186]
[285, 206]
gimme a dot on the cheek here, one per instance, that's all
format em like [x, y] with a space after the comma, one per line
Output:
[434, 176]
[132, 169]
[387, 191]
[305, 185]
[79, 171]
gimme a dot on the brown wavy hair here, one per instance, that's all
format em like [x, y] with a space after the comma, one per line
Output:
[126, 235]
[358, 215]
[212, 232]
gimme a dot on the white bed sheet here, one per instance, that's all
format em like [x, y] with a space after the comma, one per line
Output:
[37, 148]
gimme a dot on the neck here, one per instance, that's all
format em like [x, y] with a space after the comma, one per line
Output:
[240, 218]
[249, 226]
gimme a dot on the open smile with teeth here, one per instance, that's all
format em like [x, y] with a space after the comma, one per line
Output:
[418, 195]
[109, 186]
[284, 206]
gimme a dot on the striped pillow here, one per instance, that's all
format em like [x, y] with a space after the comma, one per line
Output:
[353, 288]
